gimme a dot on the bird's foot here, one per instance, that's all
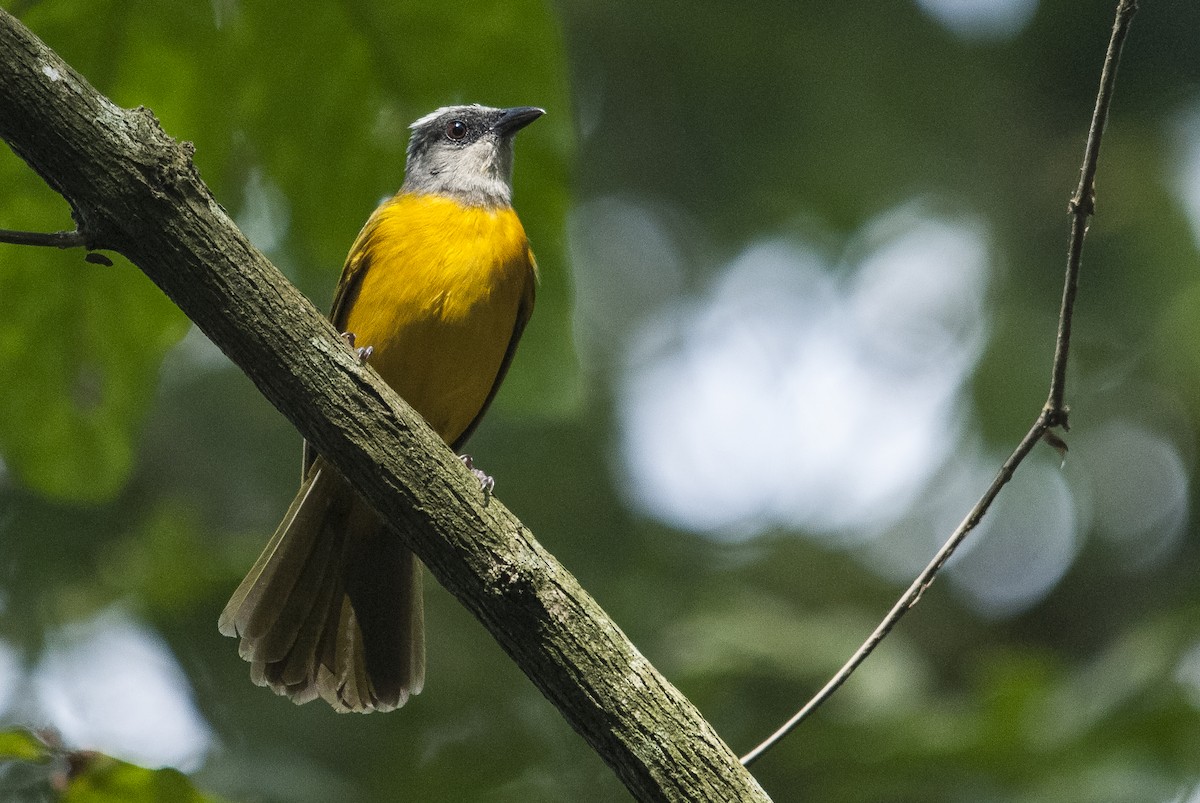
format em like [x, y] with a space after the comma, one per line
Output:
[363, 353]
[486, 483]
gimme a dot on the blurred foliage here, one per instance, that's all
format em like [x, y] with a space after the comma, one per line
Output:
[36, 770]
[79, 348]
[140, 469]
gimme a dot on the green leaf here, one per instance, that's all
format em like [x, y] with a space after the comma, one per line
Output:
[21, 745]
[91, 777]
[102, 779]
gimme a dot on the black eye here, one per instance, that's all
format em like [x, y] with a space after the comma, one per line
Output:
[456, 130]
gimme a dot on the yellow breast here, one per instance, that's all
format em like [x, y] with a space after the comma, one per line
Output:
[438, 291]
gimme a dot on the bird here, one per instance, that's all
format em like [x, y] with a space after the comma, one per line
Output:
[438, 286]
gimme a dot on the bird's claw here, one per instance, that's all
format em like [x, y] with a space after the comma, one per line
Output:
[486, 483]
[363, 353]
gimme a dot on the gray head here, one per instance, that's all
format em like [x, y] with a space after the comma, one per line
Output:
[466, 152]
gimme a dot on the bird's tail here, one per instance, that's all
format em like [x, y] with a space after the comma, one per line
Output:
[333, 606]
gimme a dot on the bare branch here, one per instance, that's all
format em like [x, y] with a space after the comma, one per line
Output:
[57, 239]
[1081, 207]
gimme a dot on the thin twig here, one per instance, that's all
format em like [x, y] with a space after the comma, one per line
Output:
[57, 239]
[1054, 414]
[914, 592]
[1081, 207]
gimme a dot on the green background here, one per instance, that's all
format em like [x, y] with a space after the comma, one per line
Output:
[141, 472]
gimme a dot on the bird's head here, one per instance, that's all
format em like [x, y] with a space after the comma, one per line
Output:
[466, 152]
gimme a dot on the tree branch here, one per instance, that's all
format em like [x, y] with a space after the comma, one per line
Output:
[134, 190]
[1054, 414]
[57, 239]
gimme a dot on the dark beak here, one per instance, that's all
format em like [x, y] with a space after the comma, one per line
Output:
[516, 118]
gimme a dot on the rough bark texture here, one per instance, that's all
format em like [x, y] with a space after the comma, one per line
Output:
[134, 190]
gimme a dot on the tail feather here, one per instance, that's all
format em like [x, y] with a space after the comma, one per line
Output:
[246, 603]
[317, 578]
[273, 603]
[298, 667]
[394, 660]
[343, 682]
[332, 608]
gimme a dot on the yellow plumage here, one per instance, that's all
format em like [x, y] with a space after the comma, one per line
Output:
[440, 284]
[439, 291]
